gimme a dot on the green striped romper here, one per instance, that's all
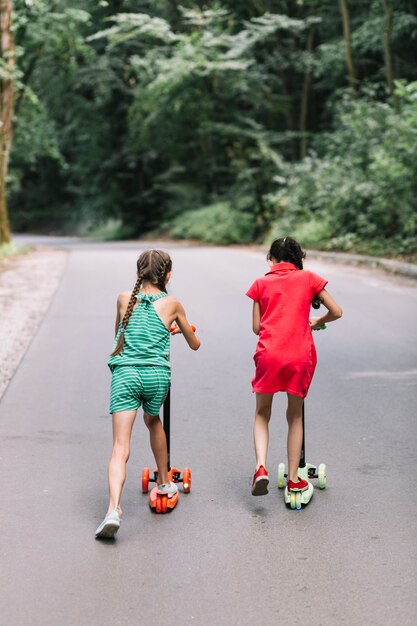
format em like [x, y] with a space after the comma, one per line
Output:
[141, 374]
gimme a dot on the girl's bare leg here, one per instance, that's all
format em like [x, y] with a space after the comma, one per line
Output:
[122, 429]
[261, 427]
[159, 445]
[295, 434]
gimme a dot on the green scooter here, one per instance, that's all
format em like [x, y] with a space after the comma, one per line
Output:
[306, 471]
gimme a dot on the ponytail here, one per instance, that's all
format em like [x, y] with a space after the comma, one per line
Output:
[287, 249]
[121, 340]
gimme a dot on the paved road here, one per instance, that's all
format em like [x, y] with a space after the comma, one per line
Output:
[222, 558]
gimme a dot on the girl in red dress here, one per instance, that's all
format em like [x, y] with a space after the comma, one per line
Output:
[285, 356]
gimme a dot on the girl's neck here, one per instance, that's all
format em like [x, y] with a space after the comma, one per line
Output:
[149, 288]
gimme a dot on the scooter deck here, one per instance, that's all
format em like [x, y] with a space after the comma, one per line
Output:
[295, 499]
[162, 504]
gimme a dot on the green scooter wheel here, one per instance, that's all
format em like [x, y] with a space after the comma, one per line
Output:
[322, 477]
[295, 500]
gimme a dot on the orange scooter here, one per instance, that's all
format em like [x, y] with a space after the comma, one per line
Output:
[161, 503]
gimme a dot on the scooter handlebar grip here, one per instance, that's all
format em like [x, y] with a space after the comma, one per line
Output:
[172, 328]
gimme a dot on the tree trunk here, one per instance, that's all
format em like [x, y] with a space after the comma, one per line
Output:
[348, 48]
[288, 113]
[6, 109]
[387, 50]
[305, 96]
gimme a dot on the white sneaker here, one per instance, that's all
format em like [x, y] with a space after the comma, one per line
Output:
[110, 525]
[168, 489]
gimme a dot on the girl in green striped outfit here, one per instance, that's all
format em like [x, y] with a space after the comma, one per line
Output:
[141, 373]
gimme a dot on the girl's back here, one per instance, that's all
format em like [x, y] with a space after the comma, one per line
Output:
[284, 295]
[146, 338]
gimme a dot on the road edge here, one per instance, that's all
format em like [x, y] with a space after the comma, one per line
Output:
[28, 283]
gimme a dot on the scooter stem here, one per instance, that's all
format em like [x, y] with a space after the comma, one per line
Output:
[303, 454]
[166, 423]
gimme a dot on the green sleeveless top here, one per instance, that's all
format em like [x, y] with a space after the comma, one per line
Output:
[147, 339]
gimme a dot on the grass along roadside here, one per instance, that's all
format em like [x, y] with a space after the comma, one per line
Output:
[12, 249]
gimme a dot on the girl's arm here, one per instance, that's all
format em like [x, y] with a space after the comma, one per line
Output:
[256, 318]
[122, 302]
[334, 312]
[116, 326]
[186, 329]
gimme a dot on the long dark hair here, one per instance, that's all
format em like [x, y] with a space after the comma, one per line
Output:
[287, 249]
[152, 266]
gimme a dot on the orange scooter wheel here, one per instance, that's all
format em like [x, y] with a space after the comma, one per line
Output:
[161, 504]
[145, 480]
[158, 505]
[186, 480]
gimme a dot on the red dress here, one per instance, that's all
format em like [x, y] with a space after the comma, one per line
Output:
[285, 356]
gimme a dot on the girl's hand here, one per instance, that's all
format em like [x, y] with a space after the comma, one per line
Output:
[334, 312]
[175, 330]
[315, 322]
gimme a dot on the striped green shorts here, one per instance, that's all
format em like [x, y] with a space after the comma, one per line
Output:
[132, 386]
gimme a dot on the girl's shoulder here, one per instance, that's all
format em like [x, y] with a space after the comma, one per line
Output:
[315, 279]
[124, 297]
[167, 301]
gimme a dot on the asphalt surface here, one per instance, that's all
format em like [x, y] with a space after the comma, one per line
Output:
[222, 557]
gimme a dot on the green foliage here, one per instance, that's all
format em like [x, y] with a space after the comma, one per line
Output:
[110, 230]
[362, 193]
[217, 223]
[131, 114]
[313, 232]
[12, 249]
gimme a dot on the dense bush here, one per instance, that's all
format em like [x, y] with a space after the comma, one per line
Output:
[359, 191]
[217, 223]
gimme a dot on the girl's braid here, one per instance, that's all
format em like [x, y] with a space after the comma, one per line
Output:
[132, 301]
[121, 340]
[162, 272]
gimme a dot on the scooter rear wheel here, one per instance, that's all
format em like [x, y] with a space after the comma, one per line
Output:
[145, 480]
[322, 477]
[281, 476]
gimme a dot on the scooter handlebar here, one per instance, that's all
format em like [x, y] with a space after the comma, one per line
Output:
[316, 304]
[173, 327]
